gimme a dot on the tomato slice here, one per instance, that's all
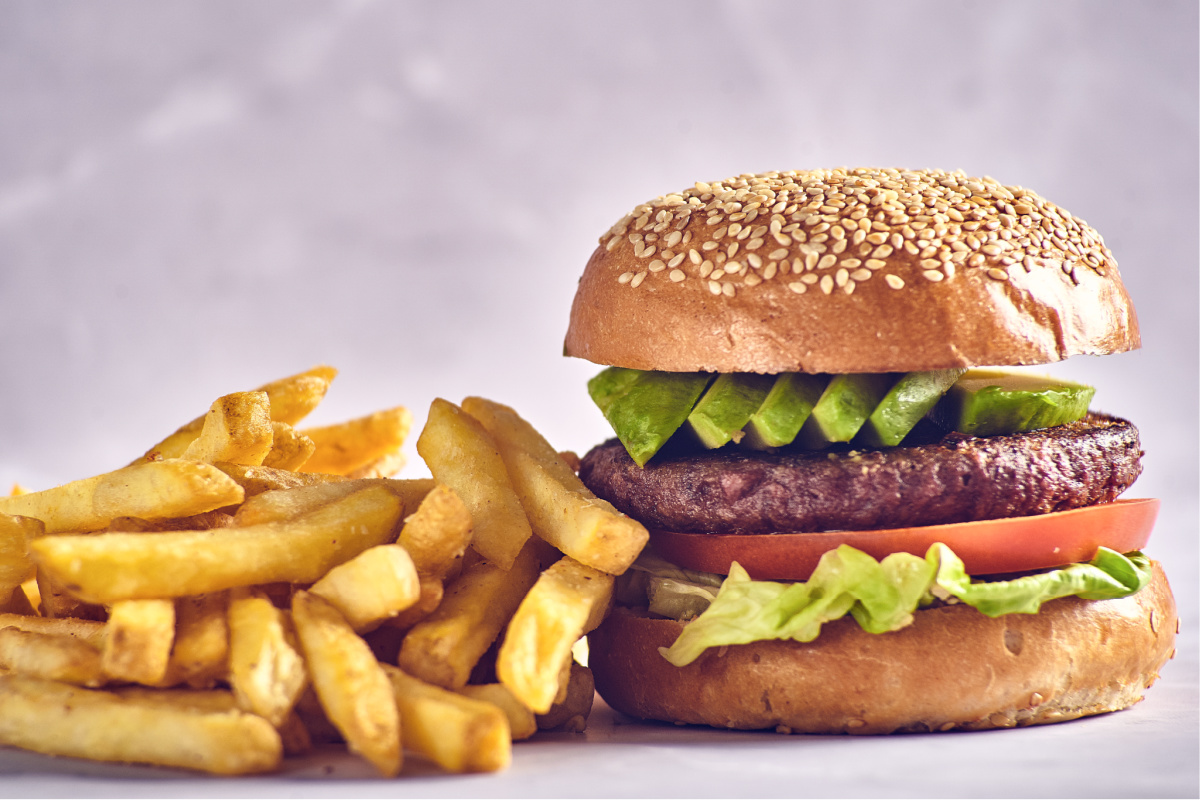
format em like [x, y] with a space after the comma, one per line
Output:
[986, 547]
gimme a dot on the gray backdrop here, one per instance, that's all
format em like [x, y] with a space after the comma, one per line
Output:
[197, 197]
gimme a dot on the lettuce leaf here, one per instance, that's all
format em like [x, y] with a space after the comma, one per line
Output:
[880, 595]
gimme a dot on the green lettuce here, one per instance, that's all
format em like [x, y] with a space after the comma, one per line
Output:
[880, 595]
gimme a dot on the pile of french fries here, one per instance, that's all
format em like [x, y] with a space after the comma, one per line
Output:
[249, 588]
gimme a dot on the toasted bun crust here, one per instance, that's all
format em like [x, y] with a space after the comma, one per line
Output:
[848, 271]
[953, 668]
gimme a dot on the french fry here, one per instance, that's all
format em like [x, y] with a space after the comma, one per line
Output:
[256, 480]
[522, 722]
[201, 654]
[568, 600]
[375, 585]
[383, 467]
[138, 645]
[17, 602]
[291, 399]
[51, 656]
[266, 670]
[108, 567]
[456, 732]
[237, 429]
[437, 532]
[352, 686]
[443, 648]
[57, 602]
[570, 713]
[432, 590]
[348, 447]
[58, 719]
[153, 489]
[289, 448]
[16, 566]
[90, 631]
[196, 522]
[561, 510]
[462, 455]
[289, 503]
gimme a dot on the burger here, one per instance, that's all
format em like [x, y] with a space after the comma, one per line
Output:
[866, 514]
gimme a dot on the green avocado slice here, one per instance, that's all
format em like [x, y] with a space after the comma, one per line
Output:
[646, 408]
[782, 413]
[844, 407]
[727, 406]
[995, 402]
[905, 404]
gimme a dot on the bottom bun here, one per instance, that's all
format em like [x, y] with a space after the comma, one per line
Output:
[953, 668]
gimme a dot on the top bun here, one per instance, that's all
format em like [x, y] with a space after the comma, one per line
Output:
[848, 270]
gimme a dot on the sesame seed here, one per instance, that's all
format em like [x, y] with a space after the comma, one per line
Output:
[657, 266]
[625, 277]
[727, 289]
[827, 261]
[694, 256]
[997, 274]
[677, 260]
[797, 287]
[769, 270]
[894, 281]
[677, 275]
[706, 269]
[827, 284]
[637, 279]
[714, 287]
[933, 275]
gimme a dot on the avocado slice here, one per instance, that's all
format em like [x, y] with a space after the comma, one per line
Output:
[784, 410]
[995, 402]
[644, 408]
[727, 406]
[844, 407]
[905, 404]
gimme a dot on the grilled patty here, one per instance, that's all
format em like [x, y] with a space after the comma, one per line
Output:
[956, 478]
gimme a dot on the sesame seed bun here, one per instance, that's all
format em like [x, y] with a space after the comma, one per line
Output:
[953, 668]
[863, 270]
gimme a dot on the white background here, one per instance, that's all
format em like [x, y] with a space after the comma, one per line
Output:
[198, 197]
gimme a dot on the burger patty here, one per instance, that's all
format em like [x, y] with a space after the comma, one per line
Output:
[956, 478]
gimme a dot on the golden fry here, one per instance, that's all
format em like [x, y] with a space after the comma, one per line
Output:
[108, 567]
[289, 448]
[266, 670]
[51, 656]
[348, 447]
[444, 647]
[462, 454]
[138, 646]
[62, 720]
[560, 508]
[151, 490]
[351, 684]
[566, 602]
[16, 533]
[375, 585]
[237, 429]
[456, 732]
[201, 654]
[522, 722]
[90, 631]
[256, 480]
[437, 532]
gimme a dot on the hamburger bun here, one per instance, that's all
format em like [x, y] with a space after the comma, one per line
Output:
[848, 270]
[952, 669]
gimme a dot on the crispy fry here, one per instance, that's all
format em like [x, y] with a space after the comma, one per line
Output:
[50, 655]
[151, 490]
[90, 631]
[138, 646]
[456, 732]
[291, 399]
[256, 480]
[570, 712]
[521, 721]
[237, 429]
[437, 532]
[108, 567]
[289, 448]
[16, 566]
[432, 591]
[351, 684]
[349, 447]
[568, 600]
[266, 670]
[292, 502]
[55, 601]
[443, 648]
[201, 654]
[560, 508]
[196, 522]
[375, 585]
[58, 719]
[462, 454]
[17, 602]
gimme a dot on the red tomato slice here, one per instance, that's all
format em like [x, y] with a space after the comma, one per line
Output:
[986, 547]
